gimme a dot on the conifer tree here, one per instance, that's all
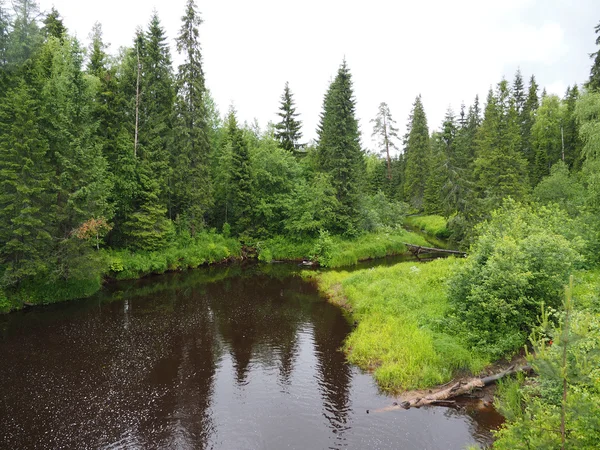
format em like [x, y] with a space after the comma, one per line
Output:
[338, 150]
[437, 178]
[25, 35]
[287, 131]
[54, 26]
[416, 152]
[594, 82]
[500, 169]
[518, 92]
[4, 28]
[527, 119]
[546, 137]
[24, 188]
[386, 133]
[570, 125]
[192, 195]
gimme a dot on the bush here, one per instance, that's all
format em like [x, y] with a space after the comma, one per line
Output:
[433, 225]
[521, 260]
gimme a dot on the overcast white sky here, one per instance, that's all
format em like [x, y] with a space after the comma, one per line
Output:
[447, 51]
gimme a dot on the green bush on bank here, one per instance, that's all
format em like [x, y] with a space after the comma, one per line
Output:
[399, 310]
[433, 225]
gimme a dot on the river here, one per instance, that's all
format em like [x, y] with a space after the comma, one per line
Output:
[223, 358]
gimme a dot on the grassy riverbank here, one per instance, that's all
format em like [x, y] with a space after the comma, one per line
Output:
[436, 226]
[334, 251]
[399, 311]
[205, 249]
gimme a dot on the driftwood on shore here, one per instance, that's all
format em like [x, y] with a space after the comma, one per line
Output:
[418, 249]
[444, 396]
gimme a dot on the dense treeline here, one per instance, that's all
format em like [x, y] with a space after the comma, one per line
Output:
[123, 151]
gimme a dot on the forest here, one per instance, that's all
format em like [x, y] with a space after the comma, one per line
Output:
[121, 165]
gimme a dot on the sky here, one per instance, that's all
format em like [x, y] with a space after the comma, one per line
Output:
[447, 51]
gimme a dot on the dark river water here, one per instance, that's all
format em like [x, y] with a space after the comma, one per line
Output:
[224, 358]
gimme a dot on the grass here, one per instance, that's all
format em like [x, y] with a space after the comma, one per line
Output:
[335, 251]
[433, 225]
[399, 310]
[208, 248]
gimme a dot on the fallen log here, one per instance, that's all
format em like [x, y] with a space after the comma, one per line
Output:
[459, 388]
[418, 249]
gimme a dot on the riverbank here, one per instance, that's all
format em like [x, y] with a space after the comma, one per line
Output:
[433, 225]
[209, 249]
[400, 311]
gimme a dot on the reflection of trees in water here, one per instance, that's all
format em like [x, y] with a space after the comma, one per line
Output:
[257, 321]
[480, 419]
[335, 376]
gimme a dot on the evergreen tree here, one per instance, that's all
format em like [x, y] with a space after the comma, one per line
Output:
[338, 149]
[546, 137]
[239, 195]
[518, 92]
[53, 25]
[287, 131]
[192, 195]
[570, 125]
[416, 153]
[97, 62]
[500, 169]
[385, 131]
[24, 188]
[4, 29]
[80, 181]
[437, 176]
[527, 119]
[25, 35]
[594, 81]
[147, 227]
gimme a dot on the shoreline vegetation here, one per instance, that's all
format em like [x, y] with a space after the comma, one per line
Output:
[211, 249]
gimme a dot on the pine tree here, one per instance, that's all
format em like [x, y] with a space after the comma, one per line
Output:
[192, 195]
[416, 153]
[594, 82]
[54, 26]
[385, 131]
[287, 131]
[572, 141]
[151, 100]
[24, 188]
[239, 195]
[500, 169]
[25, 35]
[527, 119]
[80, 179]
[338, 150]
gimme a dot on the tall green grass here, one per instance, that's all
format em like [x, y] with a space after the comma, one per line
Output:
[399, 311]
[433, 225]
[335, 251]
[207, 248]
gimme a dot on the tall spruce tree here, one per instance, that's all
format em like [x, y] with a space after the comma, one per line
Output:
[526, 120]
[147, 227]
[570, 125]
[500, 168]
[338, 150]
[594, 82]
[416, 152]
[192, 193]
[518, 93]
[53, 25]
[25, 182]
[25, 35]
[4, 29]
[287, 130]
[437, 176]
[386, 133]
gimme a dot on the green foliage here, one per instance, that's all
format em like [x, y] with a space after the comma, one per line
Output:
[287, 131]
[546, 138]
[417, 153]
[566, 359]
[398, 310]
[339, 152]
[186, 253]
[594, 82]
[521, 260]
[380, 213]
[433, 225]
[562, 188]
